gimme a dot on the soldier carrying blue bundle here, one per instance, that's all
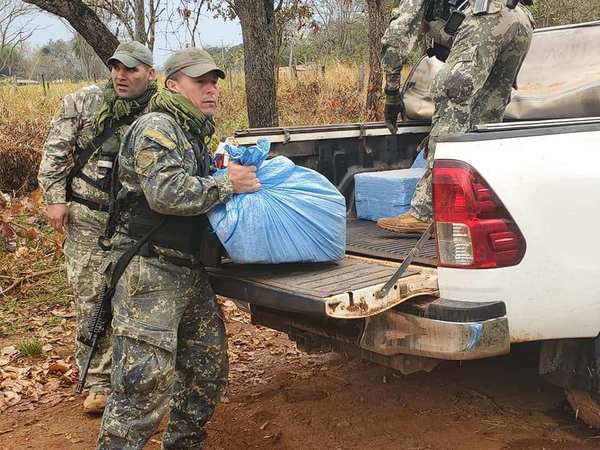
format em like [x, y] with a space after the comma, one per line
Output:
[169, 342]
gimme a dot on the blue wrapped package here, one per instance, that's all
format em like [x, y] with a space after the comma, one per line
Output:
[385, 194]
[420, 162]
[297, 216]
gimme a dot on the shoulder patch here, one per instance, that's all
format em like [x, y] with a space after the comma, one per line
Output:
[160, 138]
[144, 159]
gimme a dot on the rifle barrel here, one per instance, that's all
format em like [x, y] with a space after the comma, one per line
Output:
[86, 366]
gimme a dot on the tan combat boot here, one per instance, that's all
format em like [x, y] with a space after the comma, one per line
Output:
[95, 402]
[406, 223]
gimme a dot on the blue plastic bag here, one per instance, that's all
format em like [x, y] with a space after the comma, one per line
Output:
[297, 216]
[420, 161]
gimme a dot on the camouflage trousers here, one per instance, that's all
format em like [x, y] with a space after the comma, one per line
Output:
[474, 85]
[84, 260]
[169, 352]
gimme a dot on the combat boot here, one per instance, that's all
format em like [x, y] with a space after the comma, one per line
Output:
[406, 223]
[95, 402]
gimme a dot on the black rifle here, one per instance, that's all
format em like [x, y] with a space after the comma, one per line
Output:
[99, 323]
[100, 320]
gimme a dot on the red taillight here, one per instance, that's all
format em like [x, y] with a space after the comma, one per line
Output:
[474, 229]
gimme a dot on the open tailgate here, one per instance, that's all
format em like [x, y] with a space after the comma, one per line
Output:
[343, 290]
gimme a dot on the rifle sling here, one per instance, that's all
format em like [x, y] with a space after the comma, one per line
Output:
[125, 258]
[86, 152]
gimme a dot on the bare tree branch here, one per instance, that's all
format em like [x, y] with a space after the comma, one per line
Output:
[13, 31]
[85, 21]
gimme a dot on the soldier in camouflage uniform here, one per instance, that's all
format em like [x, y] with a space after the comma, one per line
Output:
[169, 342]
[473, 87]
[78, 204]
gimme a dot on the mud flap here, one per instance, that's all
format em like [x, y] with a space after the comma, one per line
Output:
[572, 363]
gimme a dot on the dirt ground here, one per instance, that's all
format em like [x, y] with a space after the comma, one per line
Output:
[281, 398]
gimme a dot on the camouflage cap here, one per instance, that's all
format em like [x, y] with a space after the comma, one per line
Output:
[194, 62]
[132, 54]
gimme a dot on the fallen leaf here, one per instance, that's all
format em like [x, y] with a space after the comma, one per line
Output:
[59, 367]
[63, 314]
[22, 252]
[11, 398]
[52, 385]
[10, 350]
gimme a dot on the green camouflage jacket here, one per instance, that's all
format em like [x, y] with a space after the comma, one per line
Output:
[163, 163]
[405, 25]
[72, 127]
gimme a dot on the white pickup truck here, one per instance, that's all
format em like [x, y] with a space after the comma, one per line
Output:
[514, 257]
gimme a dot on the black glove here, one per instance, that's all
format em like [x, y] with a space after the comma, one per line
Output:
[394, 106]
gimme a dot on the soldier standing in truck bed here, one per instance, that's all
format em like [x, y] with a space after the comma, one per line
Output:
[474, 85]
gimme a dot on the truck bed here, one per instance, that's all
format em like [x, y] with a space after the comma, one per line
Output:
[344, 289]
[365, 238]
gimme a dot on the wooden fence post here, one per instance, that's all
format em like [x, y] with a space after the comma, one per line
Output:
[361, 78]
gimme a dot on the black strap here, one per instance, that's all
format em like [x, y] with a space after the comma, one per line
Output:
[429, 10]
[126, 257]
[85, 153]
[90, 204]
[91, 181]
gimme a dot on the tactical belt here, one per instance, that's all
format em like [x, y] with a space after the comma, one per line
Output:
[179, 233]
[190, 235]
[180, 261]
[89, 204]
[146, 250]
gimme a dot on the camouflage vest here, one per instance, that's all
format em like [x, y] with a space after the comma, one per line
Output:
[105, 147]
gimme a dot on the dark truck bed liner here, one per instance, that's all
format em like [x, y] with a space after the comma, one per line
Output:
[365, 238]
[373, 255]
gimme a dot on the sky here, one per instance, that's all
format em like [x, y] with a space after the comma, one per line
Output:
[213, 32]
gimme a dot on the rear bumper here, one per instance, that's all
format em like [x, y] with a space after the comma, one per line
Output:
[440, 329]
[431, 327]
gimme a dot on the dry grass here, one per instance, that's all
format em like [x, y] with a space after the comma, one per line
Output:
[25, 112]
[32, 282]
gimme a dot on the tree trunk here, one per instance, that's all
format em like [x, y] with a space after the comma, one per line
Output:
[140, 21]
[151, 35]
[258, 30]
[376, 29]
[85, 21]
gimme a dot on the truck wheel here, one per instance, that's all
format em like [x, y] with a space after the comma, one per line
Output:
[585, 405]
